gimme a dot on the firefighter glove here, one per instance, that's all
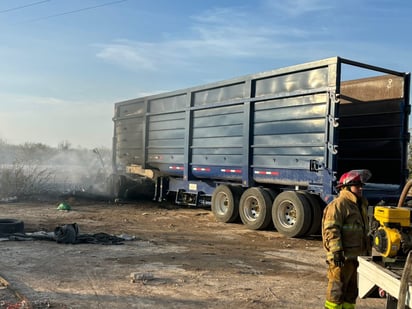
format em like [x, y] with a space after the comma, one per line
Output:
[338, 258]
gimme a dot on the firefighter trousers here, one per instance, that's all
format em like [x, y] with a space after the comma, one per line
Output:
[342, 289]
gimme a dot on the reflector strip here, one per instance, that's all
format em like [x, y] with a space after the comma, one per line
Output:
[177, 168]
[224, 170]
[267, 173]
[201, 169]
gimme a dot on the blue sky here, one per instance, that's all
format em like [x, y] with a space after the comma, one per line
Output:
[64, 63]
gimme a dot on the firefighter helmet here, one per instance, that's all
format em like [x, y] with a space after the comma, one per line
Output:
[354, 178]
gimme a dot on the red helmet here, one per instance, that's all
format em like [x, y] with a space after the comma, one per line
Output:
[354, 178]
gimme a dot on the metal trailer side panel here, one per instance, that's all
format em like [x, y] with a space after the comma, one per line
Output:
[266, 129]
[128, 141]
[296, 126]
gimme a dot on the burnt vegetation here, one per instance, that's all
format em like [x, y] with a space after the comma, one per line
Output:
[34, 169]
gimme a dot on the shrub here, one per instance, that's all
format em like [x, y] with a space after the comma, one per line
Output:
[22, 179]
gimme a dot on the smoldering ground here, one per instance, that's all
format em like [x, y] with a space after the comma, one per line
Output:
[36, 169]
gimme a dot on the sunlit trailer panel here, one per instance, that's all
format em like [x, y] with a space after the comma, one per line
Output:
[292, 130]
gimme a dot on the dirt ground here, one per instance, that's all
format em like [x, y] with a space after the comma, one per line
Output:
[180, 258]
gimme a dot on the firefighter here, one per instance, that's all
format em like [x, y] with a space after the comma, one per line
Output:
[345, 237]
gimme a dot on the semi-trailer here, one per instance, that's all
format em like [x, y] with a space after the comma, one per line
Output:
[268, 147]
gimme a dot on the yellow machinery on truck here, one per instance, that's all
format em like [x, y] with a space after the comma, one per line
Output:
[393, 237]
[387, 273]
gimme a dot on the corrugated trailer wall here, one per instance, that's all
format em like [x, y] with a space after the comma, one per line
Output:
[129, 133]
[165, 135]
[272, 124]
[296, 126]
[218, 140]
[218, 137]
[289, 130]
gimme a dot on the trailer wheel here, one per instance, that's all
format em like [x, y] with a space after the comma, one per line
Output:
[255, 208]
[315, 203]
[225, 203]
[291, 214]
[272, 194]
[11, 226]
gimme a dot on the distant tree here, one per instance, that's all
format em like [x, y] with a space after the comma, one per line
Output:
[64, 145]
[34, 152]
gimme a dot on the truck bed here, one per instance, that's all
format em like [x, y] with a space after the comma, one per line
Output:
[373, 275]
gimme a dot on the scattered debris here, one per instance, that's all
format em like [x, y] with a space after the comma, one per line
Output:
[70, 234]
[23, 301]
[127, 237]
[41, 235]
[66, 234]
[143, 277]
[10, 199]
[64, 206]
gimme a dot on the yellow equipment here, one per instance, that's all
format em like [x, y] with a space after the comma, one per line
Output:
[391, 228]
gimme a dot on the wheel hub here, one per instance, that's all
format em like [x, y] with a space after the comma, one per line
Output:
[287, 215]
[252, 209]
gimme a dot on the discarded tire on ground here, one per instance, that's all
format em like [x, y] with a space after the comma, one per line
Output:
[11, 226]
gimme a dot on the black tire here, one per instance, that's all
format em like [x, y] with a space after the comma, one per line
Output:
[272, 193]
[315, 203]
[11, 226]
[255, 208]
[291, 214]
[225, 203]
